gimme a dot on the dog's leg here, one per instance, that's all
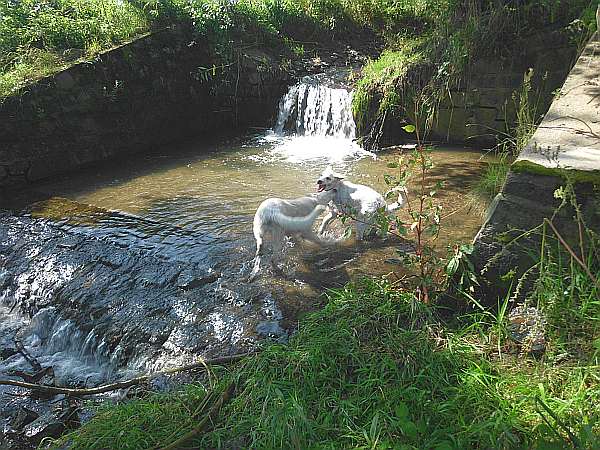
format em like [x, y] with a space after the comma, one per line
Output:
[257, 259]
[331, 216]
[361, 227]
[259, 246]
[259, 235]
[278, 241]
[255, 269]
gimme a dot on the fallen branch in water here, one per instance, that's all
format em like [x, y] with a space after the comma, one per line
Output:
[202, 364]
[212, 414]
[33, 362]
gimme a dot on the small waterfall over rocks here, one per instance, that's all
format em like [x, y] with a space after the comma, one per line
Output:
[315, 122]
[316, 108]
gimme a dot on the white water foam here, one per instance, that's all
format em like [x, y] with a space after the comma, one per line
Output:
[314, 124]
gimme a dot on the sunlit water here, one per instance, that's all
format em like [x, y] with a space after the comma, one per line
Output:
[198, 200]
[194, 203]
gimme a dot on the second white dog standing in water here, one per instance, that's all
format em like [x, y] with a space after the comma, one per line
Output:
[355, 199]
[276, 218]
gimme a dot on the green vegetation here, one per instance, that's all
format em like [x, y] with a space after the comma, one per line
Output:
[40, 37]
[431, 58]
[376, 369]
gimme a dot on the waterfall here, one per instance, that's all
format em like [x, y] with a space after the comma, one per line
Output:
[313, 109]
[315, 123]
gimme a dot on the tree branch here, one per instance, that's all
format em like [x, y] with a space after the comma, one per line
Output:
[202, 364]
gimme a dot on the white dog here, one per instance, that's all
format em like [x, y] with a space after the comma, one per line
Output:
[277, 218]
[356, 200]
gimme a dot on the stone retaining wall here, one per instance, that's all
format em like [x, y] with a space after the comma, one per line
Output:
[480, 110]
[154, 90]
[565, 148]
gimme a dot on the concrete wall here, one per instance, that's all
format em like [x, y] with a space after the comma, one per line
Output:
[566, 146]
[151, 91]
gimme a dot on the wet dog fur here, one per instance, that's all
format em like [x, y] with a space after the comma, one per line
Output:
[356, 200]
[277, 218]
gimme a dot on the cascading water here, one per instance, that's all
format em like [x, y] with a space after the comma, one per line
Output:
[311, 109]
[315, 122]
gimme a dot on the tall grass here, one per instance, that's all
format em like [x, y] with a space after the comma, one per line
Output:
[39, 37]
[454, 34]
[376, 369]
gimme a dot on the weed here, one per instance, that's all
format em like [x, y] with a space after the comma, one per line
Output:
[514, 140]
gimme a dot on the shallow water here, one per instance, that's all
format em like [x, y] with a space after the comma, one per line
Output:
[185, 209]
[197, 203]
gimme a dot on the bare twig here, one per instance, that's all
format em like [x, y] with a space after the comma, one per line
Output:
[212, 415]
[572, 253]
[202, 364]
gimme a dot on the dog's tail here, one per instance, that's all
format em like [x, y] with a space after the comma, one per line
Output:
[402, 199]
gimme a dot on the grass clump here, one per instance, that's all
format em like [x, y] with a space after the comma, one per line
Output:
[376, 369]
[143, 423]
[380, 88]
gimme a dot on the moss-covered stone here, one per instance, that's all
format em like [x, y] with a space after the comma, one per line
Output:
[576, 176]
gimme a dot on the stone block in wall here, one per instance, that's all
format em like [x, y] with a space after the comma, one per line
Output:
[450, 123]
[45, 167]
[65, 81]
[454, 99]
[494, 97]
[562, 59]
[18, 168]
[481, 124]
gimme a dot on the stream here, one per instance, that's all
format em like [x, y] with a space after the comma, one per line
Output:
[141, 264]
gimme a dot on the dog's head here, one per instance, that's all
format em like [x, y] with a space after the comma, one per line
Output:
[328, 180]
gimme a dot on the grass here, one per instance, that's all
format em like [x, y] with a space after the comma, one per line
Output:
[378, 87]
[493, 176]
[38, 38]
[447, 39]
[376, 369]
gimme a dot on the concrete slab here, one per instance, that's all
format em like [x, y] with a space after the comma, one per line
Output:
[568, 139]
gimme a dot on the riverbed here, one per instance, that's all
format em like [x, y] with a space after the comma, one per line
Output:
[140, 264]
